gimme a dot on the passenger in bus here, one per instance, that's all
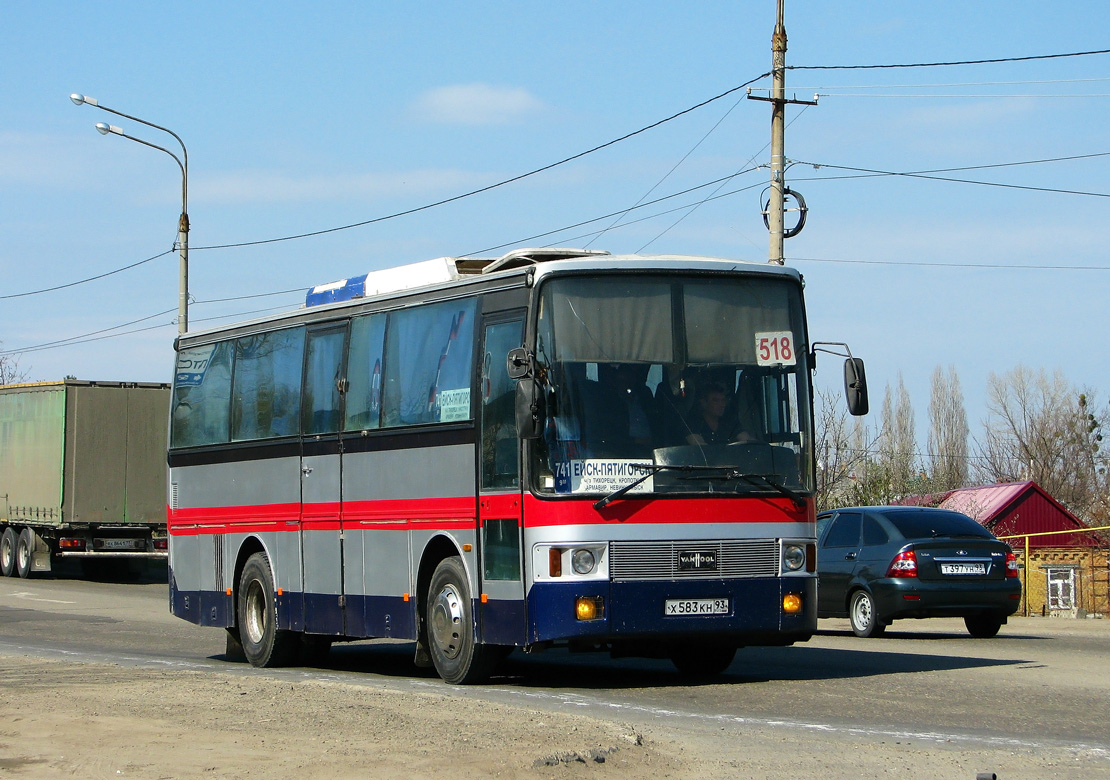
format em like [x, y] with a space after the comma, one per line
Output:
[628, 406]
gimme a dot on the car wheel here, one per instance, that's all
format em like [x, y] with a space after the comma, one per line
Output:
[861, 612]
[983, 626]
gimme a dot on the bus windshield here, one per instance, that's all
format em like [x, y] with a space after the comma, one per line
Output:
[702, 379]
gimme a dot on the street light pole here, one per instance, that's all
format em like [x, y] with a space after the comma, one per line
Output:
[183, 222]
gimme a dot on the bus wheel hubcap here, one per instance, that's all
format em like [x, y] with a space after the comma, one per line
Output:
[447, 621]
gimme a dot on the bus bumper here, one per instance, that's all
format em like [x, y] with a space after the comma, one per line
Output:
[754, 615]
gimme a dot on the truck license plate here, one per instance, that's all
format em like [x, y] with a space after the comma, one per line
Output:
[120, 544]
[675, 607]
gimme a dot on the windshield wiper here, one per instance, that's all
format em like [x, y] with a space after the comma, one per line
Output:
[727, 474]
[650, 469]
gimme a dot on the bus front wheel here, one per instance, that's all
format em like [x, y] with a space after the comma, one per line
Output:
[457, 657]
[264, 644]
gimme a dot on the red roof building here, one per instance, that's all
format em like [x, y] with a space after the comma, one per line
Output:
[1015, 508]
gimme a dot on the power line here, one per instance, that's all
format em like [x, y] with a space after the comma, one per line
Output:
[992, 61]
[489, 187]
[870, 172]
[90, 279]
[711, 195]
[101, 335]
[520, 241]
[1002, 266]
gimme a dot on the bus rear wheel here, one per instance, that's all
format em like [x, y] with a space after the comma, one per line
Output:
[7, 552]
[457, 657]
[264, 644]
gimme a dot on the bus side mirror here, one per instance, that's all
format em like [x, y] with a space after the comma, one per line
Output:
[517, 363]
[855, 386]
[530, 412]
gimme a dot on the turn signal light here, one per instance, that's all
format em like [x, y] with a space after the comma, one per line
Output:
[792, 603]
[555, 562]
[589, 608]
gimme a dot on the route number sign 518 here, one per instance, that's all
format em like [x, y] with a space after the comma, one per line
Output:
[775, 348]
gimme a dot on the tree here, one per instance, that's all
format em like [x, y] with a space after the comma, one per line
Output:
[1041, 428]
[948, 432]
[10, 372]
[898, 443]
[848, 473]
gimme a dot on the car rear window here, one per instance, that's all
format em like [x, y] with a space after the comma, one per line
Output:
[928, 524]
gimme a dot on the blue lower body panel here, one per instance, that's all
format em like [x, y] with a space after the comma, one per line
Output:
[635, 611]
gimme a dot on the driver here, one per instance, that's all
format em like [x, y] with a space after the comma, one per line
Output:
[707, 423]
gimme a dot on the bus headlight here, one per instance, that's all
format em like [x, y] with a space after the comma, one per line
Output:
[583, 561]
[793, 557]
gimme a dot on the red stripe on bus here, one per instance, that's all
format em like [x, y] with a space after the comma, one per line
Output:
[458, 513]
[455, 513]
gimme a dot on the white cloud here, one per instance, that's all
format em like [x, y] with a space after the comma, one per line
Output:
[475, 104]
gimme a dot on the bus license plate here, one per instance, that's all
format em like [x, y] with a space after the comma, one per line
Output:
[963, 568]
[675, 607]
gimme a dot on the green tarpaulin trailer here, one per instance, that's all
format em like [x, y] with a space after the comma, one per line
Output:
[82, 473]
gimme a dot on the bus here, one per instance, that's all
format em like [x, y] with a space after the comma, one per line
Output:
[553, 448]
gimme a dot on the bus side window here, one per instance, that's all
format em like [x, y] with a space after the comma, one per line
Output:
[364, 372]
[201, 395]
[500, 445]
[427, 370]
[266, 385]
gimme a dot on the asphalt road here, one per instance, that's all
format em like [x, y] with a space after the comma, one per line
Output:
[1041, 684]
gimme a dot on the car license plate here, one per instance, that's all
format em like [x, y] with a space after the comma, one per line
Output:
[676, 607]
[120, 544]
[963, 568]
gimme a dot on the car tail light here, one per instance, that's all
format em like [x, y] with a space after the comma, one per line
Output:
[903, 565]
[1011, 565]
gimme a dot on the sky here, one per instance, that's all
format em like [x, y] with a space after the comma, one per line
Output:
[306, 118]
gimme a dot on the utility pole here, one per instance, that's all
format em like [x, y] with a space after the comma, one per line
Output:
[778, 137]
[773, 212]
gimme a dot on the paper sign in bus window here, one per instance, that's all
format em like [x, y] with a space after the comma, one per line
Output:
[454, 405]
[775, 348]
[600, 476]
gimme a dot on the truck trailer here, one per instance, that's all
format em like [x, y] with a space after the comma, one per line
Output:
[82, 474]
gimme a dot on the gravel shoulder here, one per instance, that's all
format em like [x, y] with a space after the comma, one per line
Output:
[64, 719]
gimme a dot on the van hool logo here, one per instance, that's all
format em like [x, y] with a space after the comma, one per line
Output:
[697, 560]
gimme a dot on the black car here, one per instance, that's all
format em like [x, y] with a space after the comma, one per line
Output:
[885, 563]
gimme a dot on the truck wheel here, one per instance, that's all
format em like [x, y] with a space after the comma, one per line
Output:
[457, 657]
[7, 552]
[263, 643]
[23, 549]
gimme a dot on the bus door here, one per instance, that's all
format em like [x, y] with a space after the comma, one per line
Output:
[499, 487]
[321, 480]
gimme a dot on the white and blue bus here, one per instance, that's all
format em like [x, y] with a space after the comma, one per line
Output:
[552, 448]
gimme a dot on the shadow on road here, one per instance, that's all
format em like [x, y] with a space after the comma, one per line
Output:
[562, 669]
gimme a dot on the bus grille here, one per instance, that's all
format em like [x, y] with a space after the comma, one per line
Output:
[660, 560]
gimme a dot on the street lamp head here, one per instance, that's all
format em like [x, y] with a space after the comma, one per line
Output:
[80, 100]
[104, 129]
